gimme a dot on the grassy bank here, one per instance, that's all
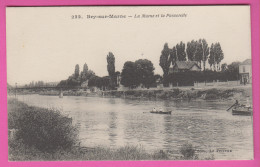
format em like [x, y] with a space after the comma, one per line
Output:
[177, 94]
[43, 134]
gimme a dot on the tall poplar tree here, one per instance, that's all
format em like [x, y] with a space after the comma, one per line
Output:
[191, 50]
[205, 55]
[76, 72]
[165, 59]
[111, 68]
[180, 49]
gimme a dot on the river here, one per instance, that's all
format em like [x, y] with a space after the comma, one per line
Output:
[115, 122]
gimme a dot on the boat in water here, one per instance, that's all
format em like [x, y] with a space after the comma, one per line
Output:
[242, 110]
[161, 112]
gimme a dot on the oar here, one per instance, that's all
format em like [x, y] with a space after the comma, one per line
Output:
[231, 107]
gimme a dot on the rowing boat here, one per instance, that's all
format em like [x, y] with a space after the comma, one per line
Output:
[161, 112]
[242, 110]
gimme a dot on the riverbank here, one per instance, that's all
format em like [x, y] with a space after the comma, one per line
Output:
[239, 93]
[181, 93]
[42, 134]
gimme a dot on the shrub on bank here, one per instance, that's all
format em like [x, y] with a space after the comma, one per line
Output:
[44, 129]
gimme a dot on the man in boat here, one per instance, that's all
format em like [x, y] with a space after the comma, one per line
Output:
[154, 109]
[234, 105]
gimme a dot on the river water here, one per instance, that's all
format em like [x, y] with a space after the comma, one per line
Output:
[115, 122]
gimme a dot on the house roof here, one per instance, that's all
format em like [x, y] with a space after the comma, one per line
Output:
[185, 64]
[246, 62]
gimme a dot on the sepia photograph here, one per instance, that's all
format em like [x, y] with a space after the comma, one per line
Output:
[87, 83]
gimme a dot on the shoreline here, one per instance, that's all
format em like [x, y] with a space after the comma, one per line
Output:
[208, 93]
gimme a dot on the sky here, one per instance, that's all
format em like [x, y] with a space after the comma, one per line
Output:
[45, 43]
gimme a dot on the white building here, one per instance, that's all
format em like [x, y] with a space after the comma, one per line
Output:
[245, 72]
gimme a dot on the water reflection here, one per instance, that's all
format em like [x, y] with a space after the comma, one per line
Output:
[117, 122]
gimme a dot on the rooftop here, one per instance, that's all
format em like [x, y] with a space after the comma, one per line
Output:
[246, 62]
[185, 64]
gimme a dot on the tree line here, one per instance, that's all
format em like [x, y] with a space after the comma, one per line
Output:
[39, 84]
[86, 75]
[141, 71]
[198, 51]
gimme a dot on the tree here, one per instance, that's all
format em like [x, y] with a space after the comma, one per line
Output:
[173, 55]
[165, 59]
[199, 52]
[76, 73]
[145, 72]
[128, 75]
[212, 57]
[205, 55]
[85, 68]
[191, 50]
[224, 67]
[233, 70]
[90, 74]
[83, 74]
[219, 54]
[234, 67]
[110, 64]
[72, 81]
[216, 56]
[111, 68]
[180, 48]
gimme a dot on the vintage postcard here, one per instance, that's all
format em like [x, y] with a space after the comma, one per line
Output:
[129, 83]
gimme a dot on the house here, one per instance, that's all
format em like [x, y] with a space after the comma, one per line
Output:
[245, 72]
[184, 66]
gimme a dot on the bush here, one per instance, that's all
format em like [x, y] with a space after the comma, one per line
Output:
[46, 130]
[188, 78]
[211, 97]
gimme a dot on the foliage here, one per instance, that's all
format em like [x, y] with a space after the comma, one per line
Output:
[138, 72]
[165, 59]
[144, 72]
[84, 73]
[111, 69]
[44, 129]
[191, 50]
[76, 73]
[76, 79]
[199, 52]
[111, 64]
[234, 67]
[205, 51]
[216, 56]
[181, 54]
[100, 82]
[224, 67]
[188, 78]
[173, 55]
[128, 75]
